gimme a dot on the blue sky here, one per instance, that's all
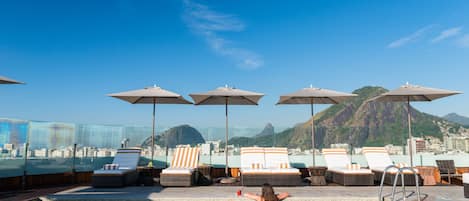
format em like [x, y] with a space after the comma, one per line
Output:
[72, 53]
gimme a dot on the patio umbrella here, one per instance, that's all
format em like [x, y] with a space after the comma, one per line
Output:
[226, 96]
[5, 80]
[313, 96]
[408, 93]
[151, 95]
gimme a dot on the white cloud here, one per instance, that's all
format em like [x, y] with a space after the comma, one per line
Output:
[410, 38]
[447, 34]
[209, 24]
[464, 41]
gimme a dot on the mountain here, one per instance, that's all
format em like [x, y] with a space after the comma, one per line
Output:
[453, 117]
[183, 134]
[267, 131]
[359, 123]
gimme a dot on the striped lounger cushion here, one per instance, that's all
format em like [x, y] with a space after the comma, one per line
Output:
[185, 160]
[182, 169]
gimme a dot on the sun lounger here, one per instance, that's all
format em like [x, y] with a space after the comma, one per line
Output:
[267, 165]
[447, 169]
[341, 171]
[378, 159]
[182, 171]
[123, 172]
[276, 159]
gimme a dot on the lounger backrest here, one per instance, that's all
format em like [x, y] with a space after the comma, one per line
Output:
[446, 166]
[336, 158]
[127, 158]
[252, 155]
[185, 157]
[276, 156]
[377, 157]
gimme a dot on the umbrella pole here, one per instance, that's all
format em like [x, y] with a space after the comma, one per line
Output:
[226, 136]
[312, 132]
[410, 132]
[153, 132]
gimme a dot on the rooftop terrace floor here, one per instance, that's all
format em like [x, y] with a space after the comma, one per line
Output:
[225, 193]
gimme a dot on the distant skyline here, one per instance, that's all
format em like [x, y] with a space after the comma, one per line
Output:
[72, 53]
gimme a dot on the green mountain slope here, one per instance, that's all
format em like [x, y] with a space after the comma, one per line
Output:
[355, 122]
[183, 134]
[453, 117]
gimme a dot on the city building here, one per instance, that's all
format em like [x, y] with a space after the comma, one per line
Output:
[418, 145]
[394, 150]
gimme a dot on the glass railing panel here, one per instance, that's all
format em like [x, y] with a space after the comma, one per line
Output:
[13, 139]
[51, 146]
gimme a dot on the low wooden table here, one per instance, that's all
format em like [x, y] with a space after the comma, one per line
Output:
[428, 174]
[205, 177]
[145, 175]
[317, 175]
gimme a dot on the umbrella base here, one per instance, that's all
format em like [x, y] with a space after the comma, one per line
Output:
[228, 180]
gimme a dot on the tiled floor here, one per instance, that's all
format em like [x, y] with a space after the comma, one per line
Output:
[212, 193]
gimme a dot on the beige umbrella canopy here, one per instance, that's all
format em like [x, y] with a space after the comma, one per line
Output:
[313, 96]
[408, 93]
[226, 96]
[5, 80]
[151, 95]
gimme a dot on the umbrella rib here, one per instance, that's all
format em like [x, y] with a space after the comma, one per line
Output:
[334, 101]
[254, 103]
[138, 99]
[426, 98]
[203, 101]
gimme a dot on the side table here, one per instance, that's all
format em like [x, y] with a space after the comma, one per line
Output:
[145, 176]
[205, 175]
[317, 175]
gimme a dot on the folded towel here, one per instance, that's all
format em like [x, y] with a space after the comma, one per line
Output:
[353, 166]
[111, 167]
[256, 166]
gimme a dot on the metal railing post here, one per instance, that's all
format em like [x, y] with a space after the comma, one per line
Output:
[381, 186]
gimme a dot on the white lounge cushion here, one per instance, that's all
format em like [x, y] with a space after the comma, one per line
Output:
[276, 156]
[350, 171]
[378, 159]
[337, 160]
[255, 170]
[116, 172]
[178, 171]
[252, 155]
[392, 170]
[285, 170]
[465, 178]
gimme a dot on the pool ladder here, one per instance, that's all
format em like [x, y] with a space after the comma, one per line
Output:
[400, 172]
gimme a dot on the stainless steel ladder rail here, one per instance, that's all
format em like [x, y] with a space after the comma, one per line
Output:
[401, 173]
[381, 186]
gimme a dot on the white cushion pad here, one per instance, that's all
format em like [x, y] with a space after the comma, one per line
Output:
[285, 170]
[377, 160]
[350, 171]
[178, 171]
[255, 170]
[336, 160]
[465, 178]
[392, 170]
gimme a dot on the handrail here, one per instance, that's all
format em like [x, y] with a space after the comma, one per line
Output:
[381, 186]
[401, 173]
